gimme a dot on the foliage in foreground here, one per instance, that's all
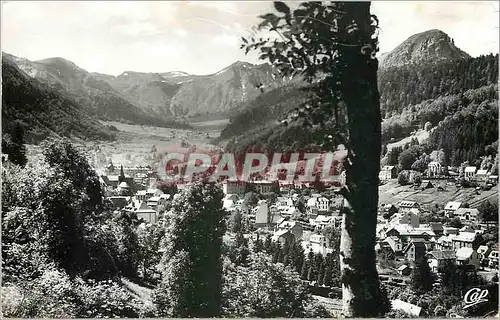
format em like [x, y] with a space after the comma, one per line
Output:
[62, 254]
[191, 264]
[266, 289]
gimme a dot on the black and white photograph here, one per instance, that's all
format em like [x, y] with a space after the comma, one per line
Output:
[249, 159]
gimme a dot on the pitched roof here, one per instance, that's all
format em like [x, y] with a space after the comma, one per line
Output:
[461, 211]
[119, 202]
[443, 255]
[123, 185]
[143, 207]
[407, 204]
[419, 245]
[464, 253]
[414, 211]
[280, 233]
[453, 205]
[465, 236]
[436, 226]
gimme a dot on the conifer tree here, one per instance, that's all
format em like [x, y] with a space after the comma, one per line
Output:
[327, 277]
[304, 270]
[321, 273]
[268, 244]
[191, 263]
[121, 178]
[422, 278]
[17, 150]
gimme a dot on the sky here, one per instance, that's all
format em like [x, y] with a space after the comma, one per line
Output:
[203, 37]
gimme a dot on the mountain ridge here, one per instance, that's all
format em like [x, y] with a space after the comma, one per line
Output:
[42, 111]
[92, 91]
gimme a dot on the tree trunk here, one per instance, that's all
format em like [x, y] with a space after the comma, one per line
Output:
[361, 289]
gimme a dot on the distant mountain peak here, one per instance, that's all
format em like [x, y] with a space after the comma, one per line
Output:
[176, 74]
[240, 63]
[57, 61]
[428, 46]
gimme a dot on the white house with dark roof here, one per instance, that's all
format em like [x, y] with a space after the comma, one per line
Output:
[451, 207]
[482, 175]
[284, 202]
[467, 215]
[463, 240]
[322, 221]
[468, 256]
[493, 259]
[283, 236]
[409, 217]
[155, 202]
[434, 168]
[140, 195]
[387, 173]
[483, 251]
[293, 227]
[318, 205]
[407, 205]
[319, 244]
[145, 212]
[469, 172]
[437, 259]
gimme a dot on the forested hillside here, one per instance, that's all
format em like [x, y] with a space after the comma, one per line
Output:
[265, 109]
[412, 117]
[43, 112]
[472, 131]
[409, 85]
[96, 96]
[444, 94]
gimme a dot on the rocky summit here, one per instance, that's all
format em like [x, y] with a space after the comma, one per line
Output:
[429, 46]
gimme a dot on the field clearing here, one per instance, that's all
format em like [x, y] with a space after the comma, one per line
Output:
[394, 193]
[212, 124]
[421, 135]
[134, 144]
[333, 306]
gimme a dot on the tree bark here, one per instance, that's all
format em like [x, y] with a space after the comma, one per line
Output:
[361, 289]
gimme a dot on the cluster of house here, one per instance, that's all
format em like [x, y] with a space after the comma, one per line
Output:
[283, 219]
[408, 239]
[134, 192]
[436, 170]
[239, 187]
[115, 178]
[402, 232]
[479, 175]
[147, 204]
